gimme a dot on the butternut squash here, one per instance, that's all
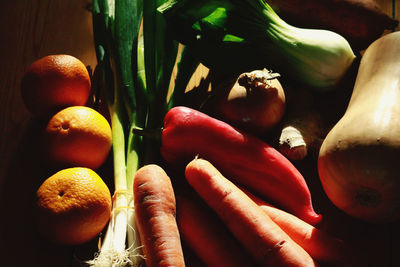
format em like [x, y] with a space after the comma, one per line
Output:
[359, 160]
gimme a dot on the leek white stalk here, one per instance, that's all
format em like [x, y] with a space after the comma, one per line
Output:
[135, 70]
[121, 244]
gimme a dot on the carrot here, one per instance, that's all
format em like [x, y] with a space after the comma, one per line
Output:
[320, 245]
[155, 209]
[206, 235]
[245, 159]
[263, 238]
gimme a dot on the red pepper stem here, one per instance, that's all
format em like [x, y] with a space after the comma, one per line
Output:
[154, 134]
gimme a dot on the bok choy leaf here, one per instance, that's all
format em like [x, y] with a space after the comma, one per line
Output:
[242, 35]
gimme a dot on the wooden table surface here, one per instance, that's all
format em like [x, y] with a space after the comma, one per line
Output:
[30, 29]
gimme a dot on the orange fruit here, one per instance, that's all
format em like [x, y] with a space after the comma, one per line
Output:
[78, 136]
[55, 82]
[73, 206]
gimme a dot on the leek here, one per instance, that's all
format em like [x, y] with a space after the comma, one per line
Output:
[242, 35]
[116, 32]
[135, 69]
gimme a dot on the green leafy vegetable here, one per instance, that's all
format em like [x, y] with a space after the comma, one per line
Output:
[248, 34]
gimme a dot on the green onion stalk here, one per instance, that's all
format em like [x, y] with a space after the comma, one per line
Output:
[135, 70]
[243, 35]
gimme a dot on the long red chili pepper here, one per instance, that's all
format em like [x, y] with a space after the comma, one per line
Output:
[241, 157]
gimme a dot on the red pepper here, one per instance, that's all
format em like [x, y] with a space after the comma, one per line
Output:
[240, 157]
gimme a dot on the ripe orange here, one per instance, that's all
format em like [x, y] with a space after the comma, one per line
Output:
[78, 136]
[55, 82]
[73, 206]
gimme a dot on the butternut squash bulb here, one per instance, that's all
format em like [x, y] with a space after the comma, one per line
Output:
[359, 160]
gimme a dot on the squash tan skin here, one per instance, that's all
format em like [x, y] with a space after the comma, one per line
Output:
[359, 160]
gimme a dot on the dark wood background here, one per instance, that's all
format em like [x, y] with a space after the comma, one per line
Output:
[30, 29]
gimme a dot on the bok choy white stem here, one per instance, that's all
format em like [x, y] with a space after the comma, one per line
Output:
[248, 34]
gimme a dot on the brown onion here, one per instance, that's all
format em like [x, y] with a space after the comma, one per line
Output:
[255, 103]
